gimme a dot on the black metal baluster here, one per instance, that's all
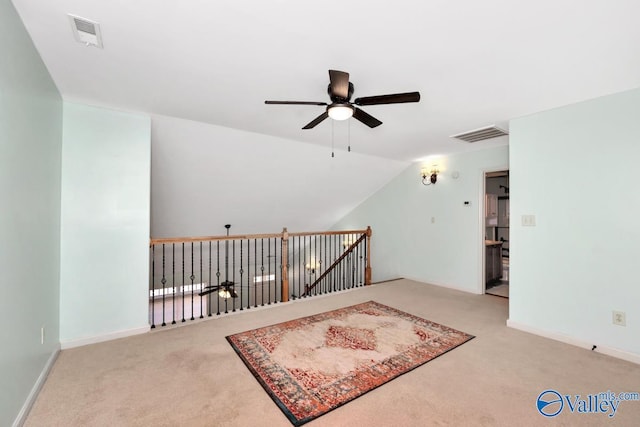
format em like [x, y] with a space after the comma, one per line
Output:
[301, 270]
[209, 283]
[301, 282]
[360, 266]
[275, 270]
[153, 286]
[241, 274]
[336, 254]
[341, 279]
[362, 244]
[226, 271]
[304, 258]
[341, 249]
[201, 280]
[357, 266]
[233, 269]
[291, 268]
[292, 272]
[163, 281]
[327, 256]
[269, 270]
[276, 294]
[173, 282]
[248, 274]
[341, 265]
[327, 282]
[327, 278]
[182, 290]
[192, 277]
[262, 269]
[255, 269]
[336, 283]
[218, 276]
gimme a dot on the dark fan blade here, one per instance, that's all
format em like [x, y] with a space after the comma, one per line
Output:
[317, 120]
[365, 118]
[294, 103]
[396, 98]
[339, 84]
[209, 290]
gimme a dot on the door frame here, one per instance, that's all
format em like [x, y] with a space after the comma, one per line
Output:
[481, 287]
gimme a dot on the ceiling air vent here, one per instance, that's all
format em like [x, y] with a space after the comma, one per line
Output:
[481, 134]
[86, 31]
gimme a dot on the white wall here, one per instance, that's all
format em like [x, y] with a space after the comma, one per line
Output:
[406, 243]
[105, 222]
[205, 176]
[30, 147]
[576, 169]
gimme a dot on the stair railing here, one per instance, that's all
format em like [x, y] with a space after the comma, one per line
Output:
[194, 277]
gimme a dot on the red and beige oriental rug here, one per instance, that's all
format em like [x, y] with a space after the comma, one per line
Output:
[312, 365]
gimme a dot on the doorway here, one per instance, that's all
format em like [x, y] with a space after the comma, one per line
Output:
[496, 223]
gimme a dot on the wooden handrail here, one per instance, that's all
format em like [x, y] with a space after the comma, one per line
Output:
[249, 236]
[336, 262]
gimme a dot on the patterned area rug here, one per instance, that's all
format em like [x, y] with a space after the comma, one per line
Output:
[312, 365]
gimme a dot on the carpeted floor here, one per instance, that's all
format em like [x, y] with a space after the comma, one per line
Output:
[190, 376]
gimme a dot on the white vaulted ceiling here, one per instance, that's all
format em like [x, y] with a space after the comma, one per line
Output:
[475, 63]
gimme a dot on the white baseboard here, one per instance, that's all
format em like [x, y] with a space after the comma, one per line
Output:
[35, 390]
[609, 351]
[442, 285]
[101, 338]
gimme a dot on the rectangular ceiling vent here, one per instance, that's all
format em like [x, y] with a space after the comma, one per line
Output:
[481, 134]
[86, 31]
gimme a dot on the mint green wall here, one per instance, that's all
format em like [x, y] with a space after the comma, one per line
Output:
[406, 243]
[576, 169]
[30, 146]
[105, 222]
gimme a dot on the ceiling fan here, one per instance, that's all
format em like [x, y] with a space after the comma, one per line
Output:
[225, 290]
[341, 108]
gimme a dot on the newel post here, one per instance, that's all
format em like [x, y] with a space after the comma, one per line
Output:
[367, 269]
[285, 264]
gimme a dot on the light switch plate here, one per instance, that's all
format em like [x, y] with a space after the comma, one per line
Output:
[529, 220]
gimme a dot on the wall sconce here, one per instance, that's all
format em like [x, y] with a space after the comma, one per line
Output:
[311, 267]
[348, 241]
[432, 175]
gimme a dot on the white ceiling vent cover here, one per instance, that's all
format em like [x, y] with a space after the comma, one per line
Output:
[481, 134]
[86, 31]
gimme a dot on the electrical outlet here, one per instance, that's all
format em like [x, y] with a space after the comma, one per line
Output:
[42, 335]
[619, 318]
[529, 220]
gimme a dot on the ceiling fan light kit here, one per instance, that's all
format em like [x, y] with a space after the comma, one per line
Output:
[340, 111]
[341, 108]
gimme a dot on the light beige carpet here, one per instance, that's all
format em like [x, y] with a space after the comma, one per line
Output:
[190, 376]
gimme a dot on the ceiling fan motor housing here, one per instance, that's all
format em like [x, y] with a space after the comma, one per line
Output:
[337, 99]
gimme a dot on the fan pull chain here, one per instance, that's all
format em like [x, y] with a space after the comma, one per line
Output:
[349, 136]
[332, 139]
